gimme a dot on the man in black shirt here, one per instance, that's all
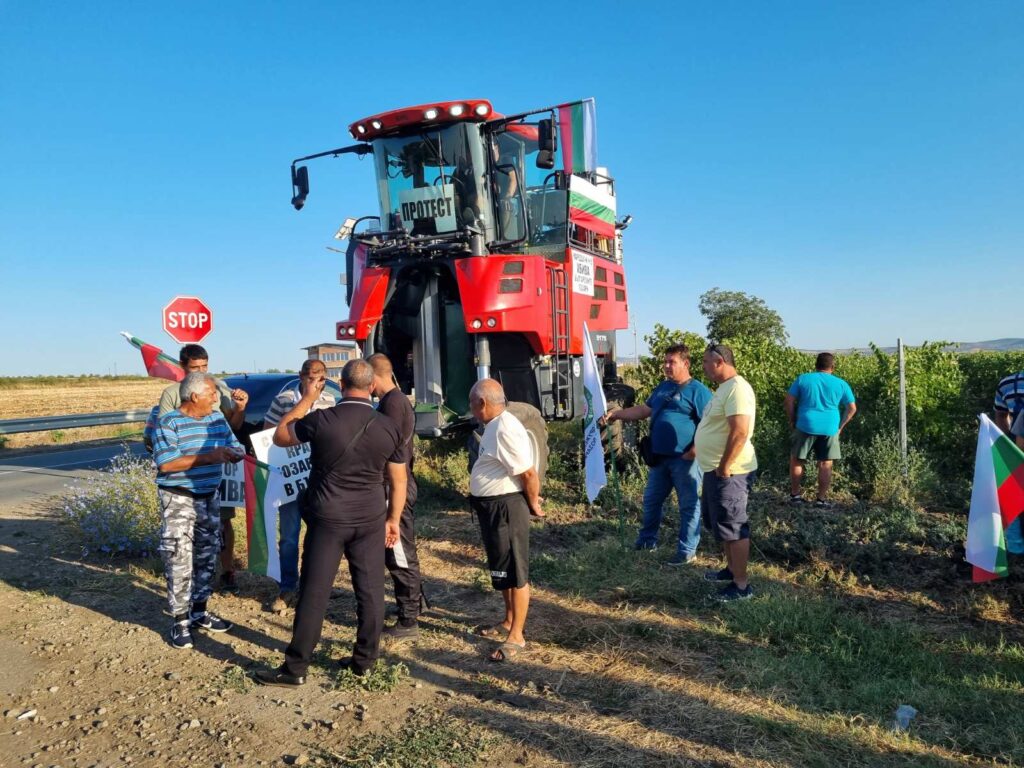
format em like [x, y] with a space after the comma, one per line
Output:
[401, 560]
[346, 512]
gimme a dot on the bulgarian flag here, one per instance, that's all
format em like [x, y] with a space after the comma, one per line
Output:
[997, 499]
[158, 365]
[591, 207]
[577, 127]
[262, 498]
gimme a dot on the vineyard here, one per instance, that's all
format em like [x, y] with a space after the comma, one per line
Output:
[946, 390]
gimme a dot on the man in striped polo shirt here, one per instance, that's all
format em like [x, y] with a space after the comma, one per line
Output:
[312, 375]
[190, 444]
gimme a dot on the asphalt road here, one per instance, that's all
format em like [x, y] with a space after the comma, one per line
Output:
[35, 475]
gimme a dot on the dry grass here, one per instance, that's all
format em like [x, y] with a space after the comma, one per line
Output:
[59, 396]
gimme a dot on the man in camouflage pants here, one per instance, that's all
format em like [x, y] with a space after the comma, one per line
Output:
[190, 444]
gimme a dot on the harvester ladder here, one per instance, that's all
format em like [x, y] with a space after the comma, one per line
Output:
[561, 373]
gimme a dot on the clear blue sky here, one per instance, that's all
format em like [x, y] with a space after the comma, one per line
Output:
[857, 165]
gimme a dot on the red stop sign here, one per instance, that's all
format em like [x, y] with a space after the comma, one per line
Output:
[187, 319]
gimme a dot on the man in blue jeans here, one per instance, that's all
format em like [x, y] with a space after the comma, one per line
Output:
[312, 375]
[675, 408]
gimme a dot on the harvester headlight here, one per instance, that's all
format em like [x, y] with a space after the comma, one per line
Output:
[430, 114]
[361, 129]
[456, 110]
[491, 322]
[376, 125]
[476, 324]
[482, 110]
[351, 330]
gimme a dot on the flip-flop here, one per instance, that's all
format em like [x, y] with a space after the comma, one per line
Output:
[508, 652]
[491, 632]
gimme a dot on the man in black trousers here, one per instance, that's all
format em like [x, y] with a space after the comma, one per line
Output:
[402, 562]
[353, 449]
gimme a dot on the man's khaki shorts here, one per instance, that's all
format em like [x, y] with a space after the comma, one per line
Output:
[824, 447]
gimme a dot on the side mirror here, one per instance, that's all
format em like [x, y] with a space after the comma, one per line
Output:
[300, 186]
[547, 142]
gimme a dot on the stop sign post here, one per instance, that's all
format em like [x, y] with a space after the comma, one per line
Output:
[187, 320]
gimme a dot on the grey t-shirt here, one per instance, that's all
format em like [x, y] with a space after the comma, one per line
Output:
[1018, 425]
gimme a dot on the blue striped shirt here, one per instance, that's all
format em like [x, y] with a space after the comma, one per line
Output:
[178, 435]
[1010, 394]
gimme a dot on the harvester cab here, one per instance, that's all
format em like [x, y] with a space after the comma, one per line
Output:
[496, 240]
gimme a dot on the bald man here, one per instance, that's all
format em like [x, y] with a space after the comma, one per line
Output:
[504, 492]
[401, 560]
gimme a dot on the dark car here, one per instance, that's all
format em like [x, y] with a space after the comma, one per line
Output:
[262, 388]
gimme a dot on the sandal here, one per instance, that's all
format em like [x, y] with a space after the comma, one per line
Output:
[495, 632]
[508, 651]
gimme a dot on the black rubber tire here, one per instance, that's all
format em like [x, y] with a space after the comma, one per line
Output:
[617, 435]
[536, 427]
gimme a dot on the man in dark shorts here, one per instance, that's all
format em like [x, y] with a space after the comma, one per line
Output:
[402, 562]
[504, 492]
[819, 405]
[727, 458]
[346, 512]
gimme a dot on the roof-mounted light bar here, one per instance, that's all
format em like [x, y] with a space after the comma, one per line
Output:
[441, 113]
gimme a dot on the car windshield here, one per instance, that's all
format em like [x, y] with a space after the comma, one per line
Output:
[433, 182]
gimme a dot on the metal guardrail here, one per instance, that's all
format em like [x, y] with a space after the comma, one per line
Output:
[71, 421]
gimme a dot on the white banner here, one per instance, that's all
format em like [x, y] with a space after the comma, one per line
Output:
[596, 407]
[232, 485]
[582, 273]
[292, 462]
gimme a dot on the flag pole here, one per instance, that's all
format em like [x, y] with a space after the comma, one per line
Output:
[618, 494]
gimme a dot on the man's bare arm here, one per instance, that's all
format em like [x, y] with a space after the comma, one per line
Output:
[398, 483]
[221, 455]
[633, 413]
[1003, 421]
[531, 489]
[851, 409]
[284, 435]
[739, 430]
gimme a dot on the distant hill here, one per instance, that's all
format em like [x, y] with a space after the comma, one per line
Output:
[995, 345]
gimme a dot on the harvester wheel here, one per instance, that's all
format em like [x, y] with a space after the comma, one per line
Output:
[615, 437]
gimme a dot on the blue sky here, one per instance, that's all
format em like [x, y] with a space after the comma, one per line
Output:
[856, 165]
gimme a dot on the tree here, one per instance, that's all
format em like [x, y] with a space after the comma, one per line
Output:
[735, 314]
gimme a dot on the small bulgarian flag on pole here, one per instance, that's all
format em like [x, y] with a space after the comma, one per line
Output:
[577, 128]
[997, 499]
[262, 498]
[158, 365]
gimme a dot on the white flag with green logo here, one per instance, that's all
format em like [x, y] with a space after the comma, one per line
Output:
[593, 396]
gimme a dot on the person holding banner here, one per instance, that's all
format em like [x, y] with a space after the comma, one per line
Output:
[190, 444]
[312, 374]
[347, 512]
[402, 561]
[674, 408]
[232, 404]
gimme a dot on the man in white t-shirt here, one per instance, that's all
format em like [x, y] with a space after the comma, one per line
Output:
[504, 490]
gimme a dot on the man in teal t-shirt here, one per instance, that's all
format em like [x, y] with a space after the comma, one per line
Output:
[819, 405]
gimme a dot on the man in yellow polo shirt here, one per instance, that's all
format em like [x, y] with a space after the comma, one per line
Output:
[727, 458]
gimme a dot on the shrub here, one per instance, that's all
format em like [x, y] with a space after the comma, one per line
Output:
[117, 512]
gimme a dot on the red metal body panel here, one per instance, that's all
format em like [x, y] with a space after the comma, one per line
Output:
[529, 311]
[367, 304]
